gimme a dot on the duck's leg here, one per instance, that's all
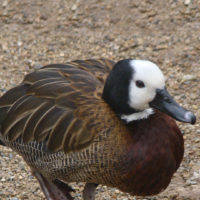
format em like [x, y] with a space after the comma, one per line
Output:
[89, 191]
[55, 190]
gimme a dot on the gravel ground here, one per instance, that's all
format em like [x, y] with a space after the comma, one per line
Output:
[35, 33]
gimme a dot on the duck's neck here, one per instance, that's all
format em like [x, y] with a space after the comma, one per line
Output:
[116, 89]
[137, 115]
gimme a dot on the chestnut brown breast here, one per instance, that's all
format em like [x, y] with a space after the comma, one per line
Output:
[155, 150]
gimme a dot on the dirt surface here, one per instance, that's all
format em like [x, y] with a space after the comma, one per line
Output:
[37, 32]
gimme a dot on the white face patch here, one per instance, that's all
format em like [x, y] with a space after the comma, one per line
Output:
[151, 76]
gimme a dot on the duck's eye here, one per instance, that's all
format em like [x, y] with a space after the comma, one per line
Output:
[140, 84]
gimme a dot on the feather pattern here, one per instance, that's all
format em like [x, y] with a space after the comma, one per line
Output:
[47, 105]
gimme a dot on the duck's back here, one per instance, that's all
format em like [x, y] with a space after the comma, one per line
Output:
[53, 120]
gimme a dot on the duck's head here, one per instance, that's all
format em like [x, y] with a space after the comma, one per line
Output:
[135, 87]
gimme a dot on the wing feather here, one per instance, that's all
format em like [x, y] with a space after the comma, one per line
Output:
[32, 121]
[16, 130]
[46, 122]
[40, 75]
[60, 130]
[19, 111]
[56, 104]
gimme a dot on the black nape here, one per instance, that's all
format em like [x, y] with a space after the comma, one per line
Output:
[116, 89]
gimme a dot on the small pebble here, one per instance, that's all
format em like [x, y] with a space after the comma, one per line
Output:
[187, 2]
[14, 198]
[188, 77]
[74, 7]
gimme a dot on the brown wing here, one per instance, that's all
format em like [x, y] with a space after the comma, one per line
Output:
[56, 103]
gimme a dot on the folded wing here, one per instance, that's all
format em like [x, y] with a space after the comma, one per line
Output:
[56, 104]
